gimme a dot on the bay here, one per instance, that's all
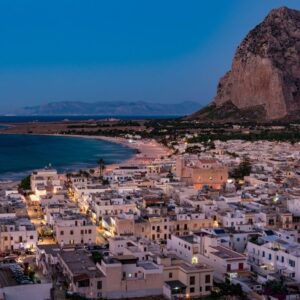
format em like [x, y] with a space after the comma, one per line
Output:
[21, 154]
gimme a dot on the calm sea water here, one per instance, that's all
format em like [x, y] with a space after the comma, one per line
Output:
[20, 154]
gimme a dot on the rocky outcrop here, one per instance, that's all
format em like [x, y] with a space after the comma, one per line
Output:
[266, 68]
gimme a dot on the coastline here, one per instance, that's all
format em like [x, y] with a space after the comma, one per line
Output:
[147, 151]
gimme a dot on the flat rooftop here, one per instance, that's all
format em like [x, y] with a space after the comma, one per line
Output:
[188, 238]
[147, 265]
[80, 262]
[226, 253]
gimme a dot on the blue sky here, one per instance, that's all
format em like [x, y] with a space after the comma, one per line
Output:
[158, 50]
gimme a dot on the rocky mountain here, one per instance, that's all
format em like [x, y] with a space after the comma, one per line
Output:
[265, 73]
[139, 108]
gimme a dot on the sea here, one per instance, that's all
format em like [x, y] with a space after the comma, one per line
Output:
[21, 154]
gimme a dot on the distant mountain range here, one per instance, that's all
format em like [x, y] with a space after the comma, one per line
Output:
[119, 108]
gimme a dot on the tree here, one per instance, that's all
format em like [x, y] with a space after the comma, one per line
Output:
[101, 165]
[242, 170]
[25, 183]
[97, 257]
[228, 289]
[170, 175]
[276, 289]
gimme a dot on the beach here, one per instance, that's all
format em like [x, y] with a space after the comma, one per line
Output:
[147, 150]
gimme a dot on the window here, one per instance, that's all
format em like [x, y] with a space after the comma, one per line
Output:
[99, 285]
[241, 266]
[170, 275]
[207, 278]
[263, 254]
[292, 263]
[83, 283]
[192, 290]
[31, 237]
[90, 230]
[228, 267]
[62, 232]
[71, 232]
[81, 231]
[270, 256]
[207, 288]
[192, 280]
[5, 238]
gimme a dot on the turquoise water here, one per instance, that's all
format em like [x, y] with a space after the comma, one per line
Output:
[20, 154]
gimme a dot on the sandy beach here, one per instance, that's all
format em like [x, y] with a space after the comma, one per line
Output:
[147, 150]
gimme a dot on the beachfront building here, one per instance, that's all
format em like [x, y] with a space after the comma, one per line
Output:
[45, 181]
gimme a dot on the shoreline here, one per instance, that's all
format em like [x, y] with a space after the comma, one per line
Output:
[148, 150]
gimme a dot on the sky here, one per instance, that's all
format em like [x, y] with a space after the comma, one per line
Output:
[120, 50]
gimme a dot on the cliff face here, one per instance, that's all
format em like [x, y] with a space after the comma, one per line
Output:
[266, 68]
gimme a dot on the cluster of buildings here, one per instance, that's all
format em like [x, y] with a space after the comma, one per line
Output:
[172, 227]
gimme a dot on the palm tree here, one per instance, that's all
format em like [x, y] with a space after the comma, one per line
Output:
[101, 165]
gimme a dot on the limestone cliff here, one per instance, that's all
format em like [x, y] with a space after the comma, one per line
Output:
[266, 68]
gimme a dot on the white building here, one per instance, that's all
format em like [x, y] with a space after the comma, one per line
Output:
[74, 229]
[17, 234]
